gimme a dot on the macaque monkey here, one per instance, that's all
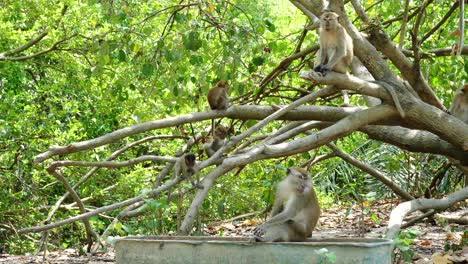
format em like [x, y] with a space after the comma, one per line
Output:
[218, 99]
[336, 47]
[185, 167]
[295, 211]
[459, 107]
[218, 140]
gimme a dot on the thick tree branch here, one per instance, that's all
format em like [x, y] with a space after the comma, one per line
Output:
[399, 213]
[415, 141]
[340, 129]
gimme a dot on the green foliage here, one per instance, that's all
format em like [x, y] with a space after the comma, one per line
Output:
[403, 242]
[116, 64]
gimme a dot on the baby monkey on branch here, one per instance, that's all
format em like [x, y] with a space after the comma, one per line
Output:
[295, 211]
[186, 167]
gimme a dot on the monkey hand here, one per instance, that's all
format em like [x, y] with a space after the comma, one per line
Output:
[310, 76]
[325, 70]
[260, 230]
[318, 68]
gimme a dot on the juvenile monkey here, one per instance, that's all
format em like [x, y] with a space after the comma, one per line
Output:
[185, 167]
[218, 99]
[459, 107]
[336, 46]
[295, 211]
[218, 140]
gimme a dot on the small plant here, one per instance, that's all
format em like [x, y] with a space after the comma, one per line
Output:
[325, 257]
[454, 246]
[402, 244]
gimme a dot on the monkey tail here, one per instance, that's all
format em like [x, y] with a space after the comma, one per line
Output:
[212, 127]
[394, 98]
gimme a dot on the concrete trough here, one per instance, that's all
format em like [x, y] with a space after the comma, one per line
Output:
[178, 249]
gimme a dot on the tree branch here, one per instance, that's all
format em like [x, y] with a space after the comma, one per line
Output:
[399, 213]
[371, 171]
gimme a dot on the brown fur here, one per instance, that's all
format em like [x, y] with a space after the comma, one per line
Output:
[217, 141]
[218, 97]
[459, 106]
[185, 167]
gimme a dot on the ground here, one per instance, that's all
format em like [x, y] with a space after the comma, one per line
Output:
[428, 247]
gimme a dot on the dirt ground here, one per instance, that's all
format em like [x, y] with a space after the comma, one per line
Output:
[428, 247]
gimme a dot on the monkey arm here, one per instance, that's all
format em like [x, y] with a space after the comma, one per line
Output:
[336, 57]
[283, 216]
[277, 207]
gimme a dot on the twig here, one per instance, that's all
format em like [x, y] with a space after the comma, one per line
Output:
[462, 27]
[441, 22]
[403, 25]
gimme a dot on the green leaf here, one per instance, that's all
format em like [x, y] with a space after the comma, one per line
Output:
[122, 56]
[196, 60]
[258, 60]
[269, 24]
[147, 69]
[192, 41]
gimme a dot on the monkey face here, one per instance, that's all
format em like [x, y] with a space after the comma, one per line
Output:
[190, 160]
[223, 84]
[221, 131]
[299, 179]
[329, 20]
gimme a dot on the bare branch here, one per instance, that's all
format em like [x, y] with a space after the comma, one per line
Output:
[462, 26]
[399, 213]
[103, 209]
[108, 164]
[89, 230]
[441, 22]
[372, 171]
[25, 46]
[340, 129]
[403, 25]
[415, 141]
[37, 54]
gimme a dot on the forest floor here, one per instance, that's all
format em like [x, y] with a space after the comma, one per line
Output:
[436, 243]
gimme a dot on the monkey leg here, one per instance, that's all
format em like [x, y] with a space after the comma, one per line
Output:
[275, 233]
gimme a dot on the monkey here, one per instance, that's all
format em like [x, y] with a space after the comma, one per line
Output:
[218, 140]
[459, 107]
[336, 47]
[218, 99]
[295, 210]
[185, 167]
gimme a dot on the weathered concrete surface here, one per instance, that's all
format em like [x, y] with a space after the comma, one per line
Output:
[140, 250]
